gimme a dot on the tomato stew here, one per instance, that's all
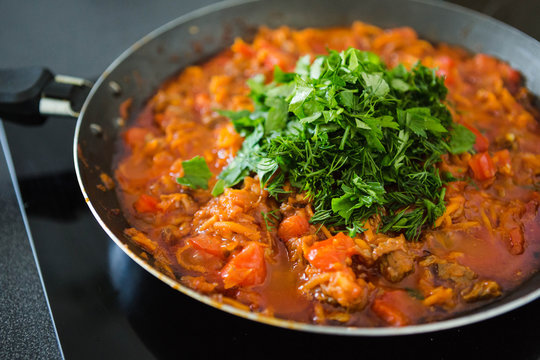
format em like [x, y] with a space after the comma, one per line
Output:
[250, 250]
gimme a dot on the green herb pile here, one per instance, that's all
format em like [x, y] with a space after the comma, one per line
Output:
[359, 139]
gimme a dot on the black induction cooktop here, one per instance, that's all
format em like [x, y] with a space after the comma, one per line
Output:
[104, 306]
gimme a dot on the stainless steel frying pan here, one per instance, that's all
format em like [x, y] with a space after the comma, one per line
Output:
[141, 69]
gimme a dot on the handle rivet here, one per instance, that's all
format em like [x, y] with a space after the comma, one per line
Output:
[119, 122]
[115, 88]
[96, 129]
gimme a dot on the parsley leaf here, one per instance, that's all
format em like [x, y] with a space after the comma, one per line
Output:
[462, 139]
[196, 173]
[375, 84]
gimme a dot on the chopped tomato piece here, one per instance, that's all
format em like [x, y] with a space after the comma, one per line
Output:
[146, 204]
[273, 60]
[292, 227]
[388, 311]
[482, 166]
[241, 47]
[135, 136]
[331, 254]
[445, 65]
[482, 142]
[274, 56]
[511, 76]
[247, 268]
[210, 244]
[485, 62]
[514, 76]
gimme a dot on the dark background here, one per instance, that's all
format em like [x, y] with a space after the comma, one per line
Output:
[103, 304]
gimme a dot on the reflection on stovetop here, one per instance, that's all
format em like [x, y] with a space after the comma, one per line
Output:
[61, 188]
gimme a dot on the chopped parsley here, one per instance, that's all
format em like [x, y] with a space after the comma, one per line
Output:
[196, 173]
[357, 138]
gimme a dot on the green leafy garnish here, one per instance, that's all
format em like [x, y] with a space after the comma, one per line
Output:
[271, 219]
[462, 139]
[196, 173]
[416, 294]
[359, 139]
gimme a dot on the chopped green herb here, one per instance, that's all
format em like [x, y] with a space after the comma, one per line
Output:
[462, 139]
[196, 173]
[270, 219]
[416, 294]
[359, 139]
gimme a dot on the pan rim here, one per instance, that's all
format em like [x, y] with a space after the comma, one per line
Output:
[475, 317]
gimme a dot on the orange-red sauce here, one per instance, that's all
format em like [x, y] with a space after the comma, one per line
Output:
[486, 243]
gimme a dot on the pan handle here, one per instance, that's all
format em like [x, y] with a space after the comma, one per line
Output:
[28, 95]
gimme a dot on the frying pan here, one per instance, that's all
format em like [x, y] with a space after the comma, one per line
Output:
[141, 69]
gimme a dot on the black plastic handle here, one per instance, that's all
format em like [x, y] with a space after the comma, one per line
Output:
[20, 93]
[29, 95]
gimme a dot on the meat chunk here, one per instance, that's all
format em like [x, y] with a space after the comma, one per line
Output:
[462, 276]
[338, 288]
[482, 290]
[385, 245]
[346, 289]
[459, 274]
[396, 265]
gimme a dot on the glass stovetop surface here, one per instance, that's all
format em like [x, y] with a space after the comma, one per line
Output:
[104, 305]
